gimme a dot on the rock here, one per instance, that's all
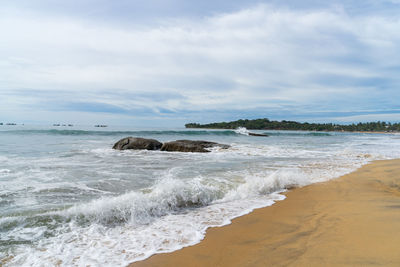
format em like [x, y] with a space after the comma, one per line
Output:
[256, 134]
[137, 143]
[190, 146]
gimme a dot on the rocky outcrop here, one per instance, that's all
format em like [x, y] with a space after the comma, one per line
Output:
[178, 146]
[256, 134]
[137, 143]
[190, 146]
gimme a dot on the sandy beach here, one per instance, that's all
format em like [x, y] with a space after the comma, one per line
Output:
[350, 221]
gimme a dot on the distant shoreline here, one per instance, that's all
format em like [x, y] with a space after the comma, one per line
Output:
[371, 132]
[268, 125]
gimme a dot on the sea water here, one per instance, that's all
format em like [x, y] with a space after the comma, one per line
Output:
[68, 199]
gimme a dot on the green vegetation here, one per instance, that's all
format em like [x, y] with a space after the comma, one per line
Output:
[266, 124]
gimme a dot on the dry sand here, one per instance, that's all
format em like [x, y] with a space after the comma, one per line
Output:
[350, 221]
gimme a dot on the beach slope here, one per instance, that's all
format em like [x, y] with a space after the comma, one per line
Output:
[350, 221]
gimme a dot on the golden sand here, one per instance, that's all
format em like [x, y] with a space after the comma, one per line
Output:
[350, 221]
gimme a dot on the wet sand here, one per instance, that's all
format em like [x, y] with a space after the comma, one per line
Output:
[350, 221]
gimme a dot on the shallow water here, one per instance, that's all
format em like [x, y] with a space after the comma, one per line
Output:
[67, 198]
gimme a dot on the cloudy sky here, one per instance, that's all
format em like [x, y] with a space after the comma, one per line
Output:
[167, 62]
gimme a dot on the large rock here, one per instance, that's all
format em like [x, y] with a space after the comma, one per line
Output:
[137, 143]
[190, 146]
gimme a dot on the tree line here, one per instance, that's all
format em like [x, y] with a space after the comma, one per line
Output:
[266, 124]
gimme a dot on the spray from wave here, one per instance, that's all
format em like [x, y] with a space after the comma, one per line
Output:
[242, 130]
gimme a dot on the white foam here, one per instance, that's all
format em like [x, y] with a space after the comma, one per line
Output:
[242, 130]
[98, 245]
[155, 222]
[141, 208]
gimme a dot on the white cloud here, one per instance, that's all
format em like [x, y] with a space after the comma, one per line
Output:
[254, 58]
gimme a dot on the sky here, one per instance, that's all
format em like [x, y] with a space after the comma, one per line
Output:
[164, 63]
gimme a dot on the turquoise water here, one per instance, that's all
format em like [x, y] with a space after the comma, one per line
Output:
[67, 198]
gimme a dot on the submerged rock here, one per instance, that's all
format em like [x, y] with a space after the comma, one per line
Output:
[256, 134]
[190, 146]
[137, 143]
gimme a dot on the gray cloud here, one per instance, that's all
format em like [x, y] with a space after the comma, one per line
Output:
[257, 60]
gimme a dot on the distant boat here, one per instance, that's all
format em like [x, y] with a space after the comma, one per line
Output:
[11, 123]
[100, 125]
[70, 125]
[1, 123]
[56, 124]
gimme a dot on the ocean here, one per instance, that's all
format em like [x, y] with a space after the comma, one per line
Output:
[68, 199]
